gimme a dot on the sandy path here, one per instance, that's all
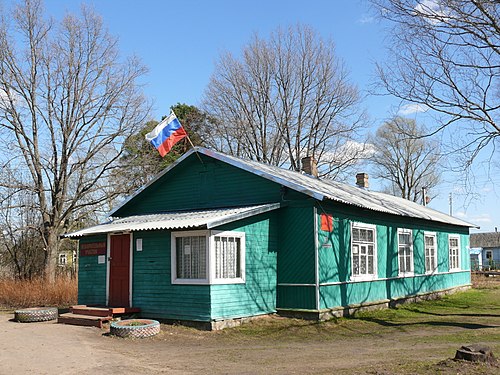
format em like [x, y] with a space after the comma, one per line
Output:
[48, 348]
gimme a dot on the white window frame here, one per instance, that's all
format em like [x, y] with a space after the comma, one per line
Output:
[411, 272]
[62, 256]
[433, 270]
[173, 247]
[236, 280]
[365, 277]
[210, 257]
[452, 236]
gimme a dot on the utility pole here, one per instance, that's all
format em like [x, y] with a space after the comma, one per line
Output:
[451, 204]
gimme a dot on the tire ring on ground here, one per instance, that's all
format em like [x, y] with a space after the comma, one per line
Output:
[147, 328]
[35, 314]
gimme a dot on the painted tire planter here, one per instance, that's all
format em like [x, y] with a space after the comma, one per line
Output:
[35, 314]
[138, 328]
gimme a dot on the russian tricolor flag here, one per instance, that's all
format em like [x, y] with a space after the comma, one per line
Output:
[166, 134]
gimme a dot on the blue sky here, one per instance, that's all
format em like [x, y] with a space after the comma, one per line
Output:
[179, 41]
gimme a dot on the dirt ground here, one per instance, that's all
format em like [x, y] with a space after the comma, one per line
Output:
[269, 346]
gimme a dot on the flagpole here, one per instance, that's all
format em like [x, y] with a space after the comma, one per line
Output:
[195, 151]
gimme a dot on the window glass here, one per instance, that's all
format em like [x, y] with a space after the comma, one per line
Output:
[405, 251]
[454, 253]
[363, 251]
[227, 257]
[191, 257]
[430, 252]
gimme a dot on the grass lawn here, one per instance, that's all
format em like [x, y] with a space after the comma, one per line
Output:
[417, 338]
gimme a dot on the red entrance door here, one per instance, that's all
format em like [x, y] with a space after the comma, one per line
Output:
[119, 271]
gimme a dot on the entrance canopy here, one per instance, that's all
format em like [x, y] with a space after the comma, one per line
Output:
[210, 218]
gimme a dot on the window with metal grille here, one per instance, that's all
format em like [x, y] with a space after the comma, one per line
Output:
[405, 251]
[363, 250]
[208, 257]
[227, 257]
[454, 252]
[191, 257]
[430, 246]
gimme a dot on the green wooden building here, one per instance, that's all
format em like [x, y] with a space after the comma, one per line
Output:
[214, 239]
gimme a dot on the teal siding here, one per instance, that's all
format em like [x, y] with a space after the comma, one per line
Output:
[258, 294]
[195, 186]
[296, 297]
[296, 257]
[157, 297]
[363, 292]
[152, 290]
[335, 260]
[91, 277]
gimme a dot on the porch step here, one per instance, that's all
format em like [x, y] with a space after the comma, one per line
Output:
[95, 316]
[83, 320]
[93, 311]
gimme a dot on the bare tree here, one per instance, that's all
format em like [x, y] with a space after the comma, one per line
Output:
[21, 245]
[405, 158]
[285, 98]
[446, 57]
[67, 102]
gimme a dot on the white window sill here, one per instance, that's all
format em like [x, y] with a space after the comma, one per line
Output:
[190, 282]
[227, 281]
[364, 278]
[207, 282]
[407, 274]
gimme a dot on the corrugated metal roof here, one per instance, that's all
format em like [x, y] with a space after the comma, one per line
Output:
[485, 240]
[343, 193]
[176, 220]
[323, 189]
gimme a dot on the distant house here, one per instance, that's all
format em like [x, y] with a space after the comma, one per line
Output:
[214, 238]
[488, 245]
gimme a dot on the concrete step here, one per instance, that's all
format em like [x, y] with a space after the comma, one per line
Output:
[83, 320]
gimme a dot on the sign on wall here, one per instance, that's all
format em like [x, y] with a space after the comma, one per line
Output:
[93, 248]
[326, 223]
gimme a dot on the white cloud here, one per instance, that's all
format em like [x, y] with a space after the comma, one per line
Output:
[3, 96]
[433, 11]
[350, 150]
[366, 19]
[482, 219]
[408, 109]
[479, 219]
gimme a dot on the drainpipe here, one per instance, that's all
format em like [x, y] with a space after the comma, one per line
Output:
[316, 257]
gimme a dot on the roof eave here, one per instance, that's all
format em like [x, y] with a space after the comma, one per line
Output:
[243, 215]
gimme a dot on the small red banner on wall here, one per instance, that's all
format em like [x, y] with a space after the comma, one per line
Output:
[93, 248]
[326, 222]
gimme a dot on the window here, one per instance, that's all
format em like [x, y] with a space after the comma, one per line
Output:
[191, 257]
[227, 257]
[364, 251]
[405, 251]
[430, 246]
[62, 259]
[489, 254]
[454, 252]
[204, 257]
